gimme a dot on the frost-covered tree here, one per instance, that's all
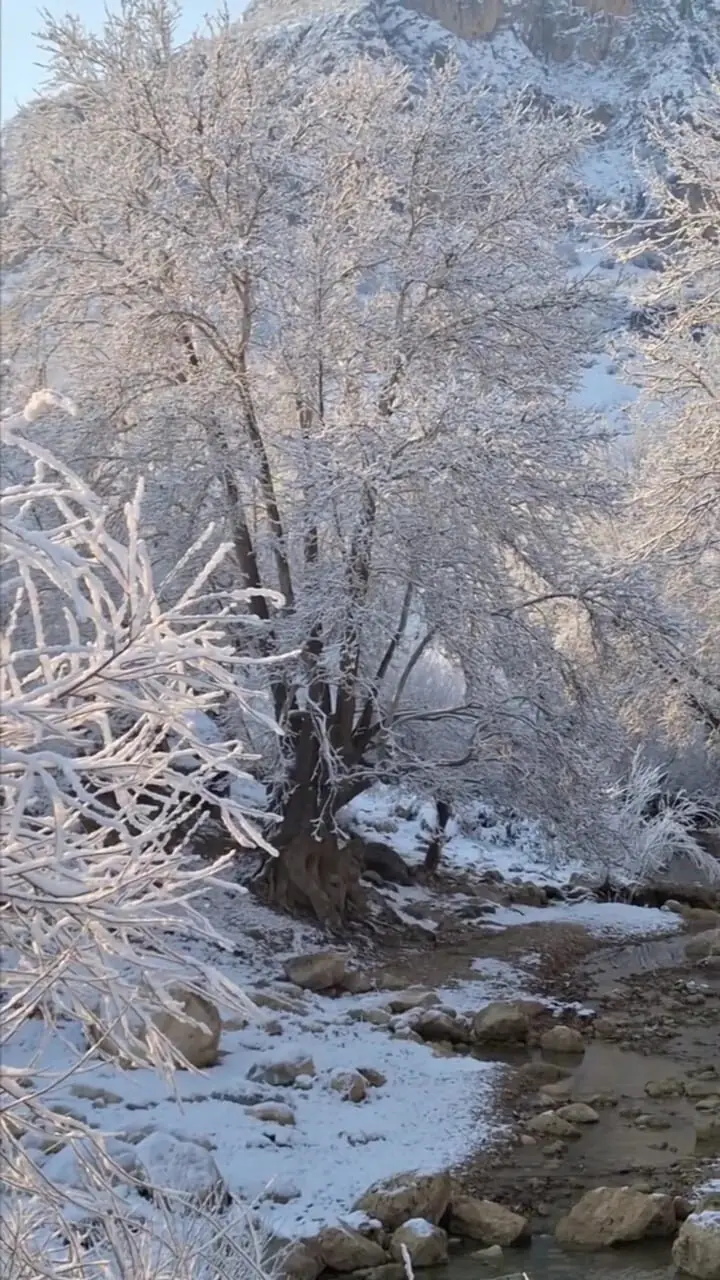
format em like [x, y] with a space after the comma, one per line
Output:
[104, 770]
[674, 525]
[335, 309]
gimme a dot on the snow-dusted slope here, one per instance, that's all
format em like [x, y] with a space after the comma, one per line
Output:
[612, 57]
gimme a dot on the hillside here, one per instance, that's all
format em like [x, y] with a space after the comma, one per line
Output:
[613, 57]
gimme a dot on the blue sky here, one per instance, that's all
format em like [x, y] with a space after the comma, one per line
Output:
[21, 75]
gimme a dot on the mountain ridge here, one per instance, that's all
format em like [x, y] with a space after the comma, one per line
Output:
[610, 57]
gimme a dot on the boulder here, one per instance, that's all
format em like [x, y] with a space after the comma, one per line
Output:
[317, 971]
[272, 1113]
[300, 1262]
[707, 1129]
[425, 1243]
[699, 1088]
[550, 1124]
[668, 1088]
[413, 998]
[279, 1002]
[407, 1195]
[192, 1031]
[696, 1251]
[501, 1023]
[375, 1079]
[578, 1113]
[539, 1075]
[562, 1040]
[490, 1256]
[702, 945]
[281, 1072]
[486, 1221]
[183, 1170]
[376, 1017]
[609, 1216]
[384, 861]
[434, 1025]
[357, 982]
[351, 1084]
[344, 1249]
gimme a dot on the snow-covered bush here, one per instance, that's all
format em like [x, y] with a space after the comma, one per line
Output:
[657, 827]
[104, 692]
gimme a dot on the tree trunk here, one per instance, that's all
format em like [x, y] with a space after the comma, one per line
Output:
[312, 874]
[437, 840]
[315, 877]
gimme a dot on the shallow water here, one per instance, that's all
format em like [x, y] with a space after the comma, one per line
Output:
[545, 1261]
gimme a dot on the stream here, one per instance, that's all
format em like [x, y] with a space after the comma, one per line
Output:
[543, 1260]
[659, 1025]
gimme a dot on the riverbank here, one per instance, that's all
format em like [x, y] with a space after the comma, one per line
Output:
[379, 1068]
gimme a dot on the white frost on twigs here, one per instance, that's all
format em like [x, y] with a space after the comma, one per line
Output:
[105, 692]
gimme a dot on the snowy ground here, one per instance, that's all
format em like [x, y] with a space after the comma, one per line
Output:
[432, 1111]
[480, 839]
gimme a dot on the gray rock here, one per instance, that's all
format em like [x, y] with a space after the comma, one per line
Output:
[351, 1085]
[426, 1243]
[317, 971]
[487, 1221]
[434, 1025]
[489, 1256]
[272, 1113]
[375, 1079]
[180, 1169]
[407, 1195]
[609, 1216]
[281, 1072]
[669, 1088]
[578, 1113]
[301, 1262]
[696, 1251]
[413, 998]
[561, 1039]
[550, 1124]
[707, 1129]
[377, 1017]
[344, 1249]
[501, 1023]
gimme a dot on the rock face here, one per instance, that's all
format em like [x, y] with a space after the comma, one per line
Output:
[425, 1243]
[193, 1032]
[562, 1040]
[501, 1023]
[486, 1221]
[696, 1251]
[616, 1215]
[405, 1196]
[317, 971]
[343, 1249]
